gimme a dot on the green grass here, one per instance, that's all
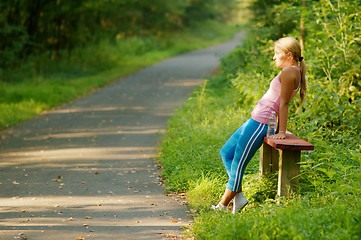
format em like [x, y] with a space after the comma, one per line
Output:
[41, 84]
[296, 220]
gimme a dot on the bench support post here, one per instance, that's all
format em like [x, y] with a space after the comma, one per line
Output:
[268, 160]
[289, 169]
[283, 155]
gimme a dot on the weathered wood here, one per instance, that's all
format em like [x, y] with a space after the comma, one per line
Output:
[290, 143]
[268, 160]
[283, 155]
[289, 169]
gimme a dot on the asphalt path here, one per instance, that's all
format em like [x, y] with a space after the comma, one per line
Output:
[87, 170]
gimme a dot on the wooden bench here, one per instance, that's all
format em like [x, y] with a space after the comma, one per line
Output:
[283, 155]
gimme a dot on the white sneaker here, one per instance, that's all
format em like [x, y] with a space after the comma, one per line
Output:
[239, 202]
[219, 207]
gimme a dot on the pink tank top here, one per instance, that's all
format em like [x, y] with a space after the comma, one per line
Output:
[270, 101]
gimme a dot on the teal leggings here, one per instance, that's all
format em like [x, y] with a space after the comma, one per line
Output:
[239, 150]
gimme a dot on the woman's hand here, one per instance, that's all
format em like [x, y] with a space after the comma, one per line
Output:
[280, 135]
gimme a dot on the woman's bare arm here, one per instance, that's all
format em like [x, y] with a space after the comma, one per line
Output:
[288, 78]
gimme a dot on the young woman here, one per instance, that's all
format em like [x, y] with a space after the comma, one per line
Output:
[242, 145]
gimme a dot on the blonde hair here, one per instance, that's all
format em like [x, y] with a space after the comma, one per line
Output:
[290, 44]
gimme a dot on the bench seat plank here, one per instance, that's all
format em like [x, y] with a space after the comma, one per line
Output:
[291, 142]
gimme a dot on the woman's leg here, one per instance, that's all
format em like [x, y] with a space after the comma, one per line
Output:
[228, 150]
[250, 139]
[227, 154]
[227, 197]
[248, 143]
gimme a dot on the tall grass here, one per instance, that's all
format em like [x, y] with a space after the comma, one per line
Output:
[42, 83]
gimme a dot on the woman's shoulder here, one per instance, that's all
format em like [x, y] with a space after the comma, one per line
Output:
[291, 69]
[290, 72]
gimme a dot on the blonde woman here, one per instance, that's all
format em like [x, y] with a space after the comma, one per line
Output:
[242, 145]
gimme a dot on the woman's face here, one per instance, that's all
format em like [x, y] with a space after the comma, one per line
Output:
[281, 58]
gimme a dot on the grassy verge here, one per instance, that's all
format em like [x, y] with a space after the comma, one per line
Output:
[41, 84]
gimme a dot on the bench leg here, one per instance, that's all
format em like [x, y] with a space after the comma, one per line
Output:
[268, 160]
[289, 169]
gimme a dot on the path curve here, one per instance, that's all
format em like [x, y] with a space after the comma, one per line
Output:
[87, 170]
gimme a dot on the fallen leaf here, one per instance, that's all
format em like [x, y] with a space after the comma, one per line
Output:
[22, 236]
[88, 217]
[97, 172]
[193, 210]
[70, 219]
[15, 182]
[174, 221]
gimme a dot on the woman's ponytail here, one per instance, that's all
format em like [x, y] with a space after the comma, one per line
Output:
[303, 87]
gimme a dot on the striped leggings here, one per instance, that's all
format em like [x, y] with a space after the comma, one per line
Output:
[239, 150]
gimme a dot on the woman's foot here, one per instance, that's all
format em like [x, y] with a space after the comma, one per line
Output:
[219, 207]
[239, 202]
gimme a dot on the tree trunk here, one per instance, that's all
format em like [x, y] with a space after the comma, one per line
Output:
[33, 18]
[302, 25]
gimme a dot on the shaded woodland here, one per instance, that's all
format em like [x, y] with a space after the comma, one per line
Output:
[56, 27]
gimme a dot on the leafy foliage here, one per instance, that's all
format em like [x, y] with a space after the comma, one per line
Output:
[57, 27]
[13, 39]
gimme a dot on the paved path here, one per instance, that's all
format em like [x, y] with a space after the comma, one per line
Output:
[87, 170]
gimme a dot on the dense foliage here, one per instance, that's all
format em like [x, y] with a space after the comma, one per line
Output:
[328, 206]
[58, 26]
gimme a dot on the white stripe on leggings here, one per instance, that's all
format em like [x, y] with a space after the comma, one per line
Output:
[236, 185]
